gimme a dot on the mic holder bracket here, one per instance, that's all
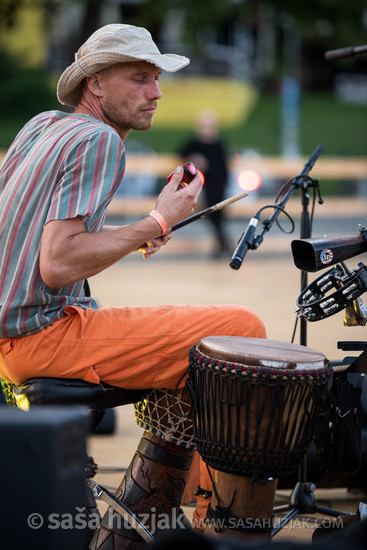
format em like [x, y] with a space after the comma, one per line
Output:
[303, 182]
[248, 240]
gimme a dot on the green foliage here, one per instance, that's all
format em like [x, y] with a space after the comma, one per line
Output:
[340, 21]
[339, 127]
[23, 92]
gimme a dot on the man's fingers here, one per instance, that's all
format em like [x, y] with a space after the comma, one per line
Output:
[176, 175]
[151, 247]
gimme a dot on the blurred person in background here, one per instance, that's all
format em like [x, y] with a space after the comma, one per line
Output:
[207, 151]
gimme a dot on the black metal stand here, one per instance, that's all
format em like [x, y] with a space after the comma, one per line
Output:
[302, 499]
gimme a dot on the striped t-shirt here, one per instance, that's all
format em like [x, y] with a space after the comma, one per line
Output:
[59, 166]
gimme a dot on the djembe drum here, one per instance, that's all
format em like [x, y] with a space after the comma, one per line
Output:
[254, 406]
[155, 480]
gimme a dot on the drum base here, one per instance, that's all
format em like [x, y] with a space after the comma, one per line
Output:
[152, 489]
[240, 508]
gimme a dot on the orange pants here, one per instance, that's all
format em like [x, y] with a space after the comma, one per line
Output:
[134, 348]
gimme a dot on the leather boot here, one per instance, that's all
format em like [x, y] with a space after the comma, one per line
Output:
[152, 489]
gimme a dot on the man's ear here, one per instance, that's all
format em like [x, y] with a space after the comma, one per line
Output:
[94, 86]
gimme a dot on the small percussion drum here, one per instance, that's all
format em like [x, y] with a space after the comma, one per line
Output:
[155, 480]
[254, 406]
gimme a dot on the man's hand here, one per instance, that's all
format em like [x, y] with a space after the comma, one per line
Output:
[176, 203]
[152, 246]
[69, 254]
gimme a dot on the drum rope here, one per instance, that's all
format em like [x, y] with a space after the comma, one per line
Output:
[282, 412]
[220, 512]
[161, 415]
[224, 518]
[178, 412]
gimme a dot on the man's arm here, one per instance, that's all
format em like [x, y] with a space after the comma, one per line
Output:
[69, 253]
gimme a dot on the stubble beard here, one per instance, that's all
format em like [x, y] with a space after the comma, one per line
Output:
[124, 124]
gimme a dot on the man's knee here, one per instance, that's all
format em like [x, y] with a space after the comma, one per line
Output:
[247, 323]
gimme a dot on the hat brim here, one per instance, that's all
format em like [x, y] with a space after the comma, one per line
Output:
[69, 86]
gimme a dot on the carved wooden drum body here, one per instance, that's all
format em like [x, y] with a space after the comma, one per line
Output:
[255, 403]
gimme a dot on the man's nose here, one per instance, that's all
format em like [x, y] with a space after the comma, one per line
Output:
[154, 91]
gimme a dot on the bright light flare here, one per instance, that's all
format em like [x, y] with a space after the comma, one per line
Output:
[249, 180]
[202, 177]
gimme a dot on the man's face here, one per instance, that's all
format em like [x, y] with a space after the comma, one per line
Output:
[130, 94]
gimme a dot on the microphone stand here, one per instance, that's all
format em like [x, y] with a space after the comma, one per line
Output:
[302, 498]
[305, 233]
[248, 241]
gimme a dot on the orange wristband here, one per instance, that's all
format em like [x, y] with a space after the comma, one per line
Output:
[160, 219]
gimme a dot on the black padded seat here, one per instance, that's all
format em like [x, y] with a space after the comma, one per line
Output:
[67, 391]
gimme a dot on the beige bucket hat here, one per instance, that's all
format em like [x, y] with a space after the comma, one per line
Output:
[116, 43]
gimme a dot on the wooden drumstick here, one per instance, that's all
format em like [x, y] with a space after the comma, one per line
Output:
[210, 210]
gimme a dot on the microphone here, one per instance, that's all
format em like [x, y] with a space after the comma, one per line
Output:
[244, 243]
[311, 161]
[343, 53]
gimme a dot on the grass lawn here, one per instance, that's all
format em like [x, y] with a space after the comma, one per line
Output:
[341, 128]
[183, 98]
[248, 120]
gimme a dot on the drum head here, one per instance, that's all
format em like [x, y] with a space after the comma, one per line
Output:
[261, 352]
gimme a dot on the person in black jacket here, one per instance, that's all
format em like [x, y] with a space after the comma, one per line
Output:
[207, 151]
